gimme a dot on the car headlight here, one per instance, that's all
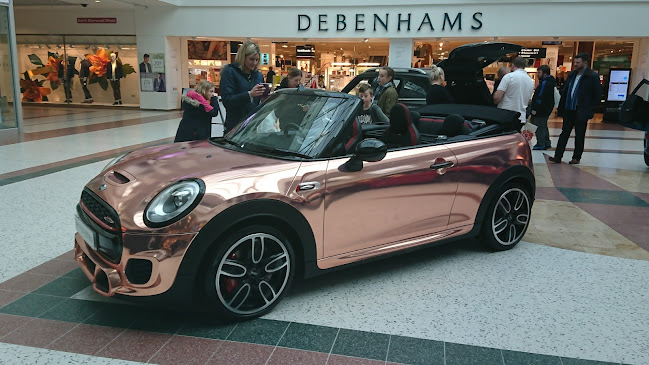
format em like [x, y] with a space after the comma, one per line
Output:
[173, 203]
[115, 160]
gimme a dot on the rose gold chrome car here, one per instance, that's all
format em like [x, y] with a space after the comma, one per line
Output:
[296, 189]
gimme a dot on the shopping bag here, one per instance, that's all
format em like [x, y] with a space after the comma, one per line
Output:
[528, 131]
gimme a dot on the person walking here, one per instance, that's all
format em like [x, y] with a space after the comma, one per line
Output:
[199, 107]
[542, 106]
[241, 85]
[579, 98]
[385, 95]
[437, 93]
[515, 89]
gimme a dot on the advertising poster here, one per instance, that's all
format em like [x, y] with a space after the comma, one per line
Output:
[618, 84]
[152, 73]
[207, 50]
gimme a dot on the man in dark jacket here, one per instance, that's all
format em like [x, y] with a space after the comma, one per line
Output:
[581, 95]
[66, 73]
[84, 76]
[542, 106]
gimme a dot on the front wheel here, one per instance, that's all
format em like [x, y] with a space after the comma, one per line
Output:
[250, 272]
[507, 218]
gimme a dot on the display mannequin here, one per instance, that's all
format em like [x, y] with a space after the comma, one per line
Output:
[84, 75]
[114, 72]
[66, 72]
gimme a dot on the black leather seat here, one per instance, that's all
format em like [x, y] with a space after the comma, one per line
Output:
[454, 125]
[401, 132]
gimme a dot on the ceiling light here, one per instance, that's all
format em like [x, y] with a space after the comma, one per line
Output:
[284, 46]
[97, 1]
[365, 40]
[441, 44]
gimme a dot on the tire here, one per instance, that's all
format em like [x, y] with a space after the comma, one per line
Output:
[507, 217]
[646, 158]
[249, 273]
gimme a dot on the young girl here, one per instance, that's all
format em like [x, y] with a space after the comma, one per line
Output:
[371, 112]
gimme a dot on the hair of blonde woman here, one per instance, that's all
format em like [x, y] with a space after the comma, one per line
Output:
[436, 74]
[248, 48]
[204, 87]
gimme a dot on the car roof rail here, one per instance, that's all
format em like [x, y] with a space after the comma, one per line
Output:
[399, 69]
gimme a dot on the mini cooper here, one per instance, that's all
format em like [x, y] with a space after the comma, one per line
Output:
[634, 113]
[299, 188]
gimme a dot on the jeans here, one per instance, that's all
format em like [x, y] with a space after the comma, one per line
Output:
[569, 121]
[542, 133]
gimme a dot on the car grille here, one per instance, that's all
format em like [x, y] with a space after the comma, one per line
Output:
[138, 271]
[102, 213]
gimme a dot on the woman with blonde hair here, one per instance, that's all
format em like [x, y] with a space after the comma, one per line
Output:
[437, 93]
[199, 107]
[241, 84]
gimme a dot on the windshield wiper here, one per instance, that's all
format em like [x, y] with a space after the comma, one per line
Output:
[229, 142]
[281, 152]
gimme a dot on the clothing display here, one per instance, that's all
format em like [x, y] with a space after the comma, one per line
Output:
[84, 75]
[66, 74]
[114, 72]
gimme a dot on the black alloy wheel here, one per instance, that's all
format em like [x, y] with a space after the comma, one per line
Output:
[507, 218]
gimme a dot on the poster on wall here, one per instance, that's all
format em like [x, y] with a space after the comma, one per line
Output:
[618, 84]
[207, 50]
[152, 73]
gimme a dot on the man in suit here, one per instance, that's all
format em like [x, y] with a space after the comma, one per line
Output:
[145, 66]
[159, 84]
[581, 95]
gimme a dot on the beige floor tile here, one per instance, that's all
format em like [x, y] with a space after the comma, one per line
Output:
[605, 251]
[638, 254]
[635, 181]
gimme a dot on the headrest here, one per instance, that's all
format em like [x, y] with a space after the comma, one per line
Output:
[452, 126]
[400, 119]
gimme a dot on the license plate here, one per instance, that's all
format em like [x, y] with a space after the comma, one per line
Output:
[86, 232]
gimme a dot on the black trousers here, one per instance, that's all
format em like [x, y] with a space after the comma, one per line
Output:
[117, 94]
[68, 89]
[570, 121]
[84, 86]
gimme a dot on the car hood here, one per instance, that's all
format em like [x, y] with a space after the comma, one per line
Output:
[472, 58]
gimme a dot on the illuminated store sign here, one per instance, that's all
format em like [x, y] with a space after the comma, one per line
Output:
[307, 51]
[402, 22]
[533, 52]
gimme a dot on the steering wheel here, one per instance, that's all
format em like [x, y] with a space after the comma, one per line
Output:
[290, 126]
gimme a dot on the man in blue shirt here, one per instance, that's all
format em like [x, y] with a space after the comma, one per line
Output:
[581, 95]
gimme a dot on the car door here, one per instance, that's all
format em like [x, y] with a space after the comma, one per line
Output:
[634, 112]
[408, 194]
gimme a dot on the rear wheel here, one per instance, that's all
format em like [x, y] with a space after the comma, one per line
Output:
[250, 272]
[646, 152]
[507, 218]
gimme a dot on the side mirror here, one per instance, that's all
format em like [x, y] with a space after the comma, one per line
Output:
[370, 150]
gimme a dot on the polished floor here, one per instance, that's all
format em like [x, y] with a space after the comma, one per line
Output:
[574, 292]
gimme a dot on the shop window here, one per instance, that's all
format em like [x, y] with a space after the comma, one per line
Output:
[7, 111]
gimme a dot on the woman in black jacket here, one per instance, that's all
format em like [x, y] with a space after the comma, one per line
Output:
[199, 107]
[292, 80]
[437, 93]
[241, 85]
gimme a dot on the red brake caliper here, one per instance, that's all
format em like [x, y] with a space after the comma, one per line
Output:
[230, 284]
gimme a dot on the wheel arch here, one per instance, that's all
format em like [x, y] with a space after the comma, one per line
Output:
[520, 174]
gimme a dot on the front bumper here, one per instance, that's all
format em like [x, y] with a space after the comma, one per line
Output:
[148, 264]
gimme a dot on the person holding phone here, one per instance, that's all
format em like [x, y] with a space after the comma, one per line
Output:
[241, 85]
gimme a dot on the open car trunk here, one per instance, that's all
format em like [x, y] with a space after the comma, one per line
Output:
[634, 112]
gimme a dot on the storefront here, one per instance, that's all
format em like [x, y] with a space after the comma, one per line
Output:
[10, 111]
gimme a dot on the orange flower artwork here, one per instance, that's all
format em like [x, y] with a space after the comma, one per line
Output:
[33, 92]
[99, 61]
[54, 64]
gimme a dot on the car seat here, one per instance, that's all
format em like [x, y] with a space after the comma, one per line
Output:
[356, 135]
[401, 132]
[454, 125]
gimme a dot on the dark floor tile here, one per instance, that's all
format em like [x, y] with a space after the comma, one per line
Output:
[607, 197]
[186, 351]
[284, 356]
[114, 315]
[457, 354]
[63, 287]
[73, 310]
[54, 268]
[7, 297]
[525, 358]
[309, 337]
[567, 361]
[135, 345]
[155, 320]
[38, 333]
[31, 305]
[366, 345]
[85, 339]
[346, 360]
[9, 323]
[26, 282]
[259, 331]
[76, 274]
[408, 350]
[241, 353]
[206, 330]
[550, 193]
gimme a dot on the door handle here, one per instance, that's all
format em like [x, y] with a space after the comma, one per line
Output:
[441, 165]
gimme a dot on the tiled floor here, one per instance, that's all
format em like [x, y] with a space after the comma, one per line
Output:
[574, 292]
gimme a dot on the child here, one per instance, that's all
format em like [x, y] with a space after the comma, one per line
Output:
[371, 112]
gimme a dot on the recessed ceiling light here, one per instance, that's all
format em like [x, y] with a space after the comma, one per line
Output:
[97, 1]
[284, 46]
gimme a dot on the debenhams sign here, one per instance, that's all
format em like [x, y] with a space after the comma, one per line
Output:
[401, 22]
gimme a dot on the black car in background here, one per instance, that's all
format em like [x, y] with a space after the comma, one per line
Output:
[463, 71]
[634, 113]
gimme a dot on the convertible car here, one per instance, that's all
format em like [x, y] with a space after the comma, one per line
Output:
[634, 113]
[297, 189]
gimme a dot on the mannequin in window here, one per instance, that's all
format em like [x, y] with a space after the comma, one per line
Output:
[66, 73]
[84, 76]
[114, 72]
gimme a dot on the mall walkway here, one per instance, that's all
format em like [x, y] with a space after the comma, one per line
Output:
[574, 292]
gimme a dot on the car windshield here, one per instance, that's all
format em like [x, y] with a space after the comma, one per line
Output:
[294, 124]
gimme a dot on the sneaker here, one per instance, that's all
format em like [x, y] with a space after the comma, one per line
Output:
[554, 159]
[574, 161]
[115, 103]
[120, 102]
